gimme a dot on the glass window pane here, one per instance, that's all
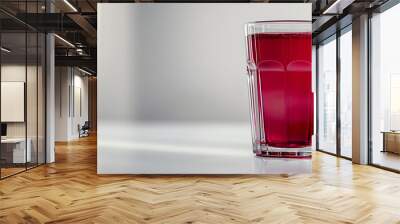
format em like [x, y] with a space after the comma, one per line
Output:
[346, 94]
[14, 153]
[32, 95]
[32, 88]
[314, 90]
[41, 98]
[385, 84]
[327, 96]
[22, 89]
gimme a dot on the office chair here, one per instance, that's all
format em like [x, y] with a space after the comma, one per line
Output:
[84, 130]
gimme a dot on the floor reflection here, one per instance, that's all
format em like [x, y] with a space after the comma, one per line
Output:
[186, 149]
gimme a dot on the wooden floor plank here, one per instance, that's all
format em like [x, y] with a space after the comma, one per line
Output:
[70, 191]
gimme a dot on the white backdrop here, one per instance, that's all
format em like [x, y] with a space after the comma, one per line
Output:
[172, 89]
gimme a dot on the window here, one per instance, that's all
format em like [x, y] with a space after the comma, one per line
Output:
[385, 89]
[327, 96]
[346, 93]
[22, 101]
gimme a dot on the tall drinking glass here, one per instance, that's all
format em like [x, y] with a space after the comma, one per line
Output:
[280, 84]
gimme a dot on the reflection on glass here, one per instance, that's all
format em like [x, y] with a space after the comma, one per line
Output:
[41, 98]
[14, 153]
[327, 97]
[31, 100]
[22, 91]
[385, 84]
[346, 94]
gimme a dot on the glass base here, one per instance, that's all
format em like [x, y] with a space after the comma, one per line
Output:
[295, 153]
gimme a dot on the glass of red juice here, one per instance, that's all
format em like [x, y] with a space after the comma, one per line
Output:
[280, 86]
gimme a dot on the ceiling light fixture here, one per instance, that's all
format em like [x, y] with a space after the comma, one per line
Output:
[70, 5]
[5, 50]
[84, 71]
[64, 40]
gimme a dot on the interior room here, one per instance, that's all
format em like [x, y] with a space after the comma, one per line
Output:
[224, 111]
[22, 104]
[71, 100]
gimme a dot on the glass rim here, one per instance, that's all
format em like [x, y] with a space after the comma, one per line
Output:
[278, 26]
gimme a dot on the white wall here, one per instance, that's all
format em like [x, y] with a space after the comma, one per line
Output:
[62, 80]
[172, 86]
[33, 127]
[18, 73]
[15, 73]
[79, 117]
[67, 84]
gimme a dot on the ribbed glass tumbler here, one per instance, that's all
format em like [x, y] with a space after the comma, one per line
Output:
[280, 85]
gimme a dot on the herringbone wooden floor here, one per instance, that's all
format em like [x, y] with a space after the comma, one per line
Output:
[69, 191]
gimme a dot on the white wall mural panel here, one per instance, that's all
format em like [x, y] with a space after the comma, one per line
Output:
[172, 88]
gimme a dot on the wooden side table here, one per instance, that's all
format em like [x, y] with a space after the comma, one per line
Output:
[391, 141]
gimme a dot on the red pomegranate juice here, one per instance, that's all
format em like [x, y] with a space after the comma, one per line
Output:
[283, 62]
